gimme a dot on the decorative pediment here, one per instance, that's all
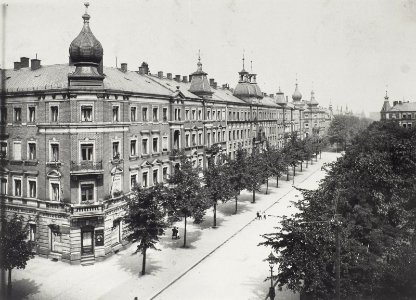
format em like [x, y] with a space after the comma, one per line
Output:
[177, 95]
[53, 174]
[145, 164]
[116, 170]
[156, 162]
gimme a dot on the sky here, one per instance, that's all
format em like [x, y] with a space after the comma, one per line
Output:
[349, 52]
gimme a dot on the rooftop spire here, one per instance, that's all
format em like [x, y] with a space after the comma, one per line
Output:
[86, 16]
[386, 97]
[199, 64]
[243, 60]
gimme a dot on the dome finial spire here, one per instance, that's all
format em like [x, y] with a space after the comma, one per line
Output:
[199, 64]
[86, 7]
[251, 66]
[243, 59]
[86, 16]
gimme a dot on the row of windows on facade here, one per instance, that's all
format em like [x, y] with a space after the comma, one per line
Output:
[405, 116]
[87, 114]
[87, 189]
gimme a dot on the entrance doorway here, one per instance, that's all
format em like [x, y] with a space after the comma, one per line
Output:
[87, 244]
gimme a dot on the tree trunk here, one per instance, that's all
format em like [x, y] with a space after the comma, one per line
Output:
[316, 156]
[254, 196]
[267, 185]
[184, 234]
[306, 163]
[320, 154]
[236, 199]
[9, 283]
[287, 175]
[293, 180]
[277, 181]
[215, 214]
[144, 261]
[301, 164]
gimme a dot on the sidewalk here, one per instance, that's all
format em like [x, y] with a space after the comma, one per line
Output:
[118, 276]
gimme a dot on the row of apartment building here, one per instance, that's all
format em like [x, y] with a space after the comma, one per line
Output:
[79, 135]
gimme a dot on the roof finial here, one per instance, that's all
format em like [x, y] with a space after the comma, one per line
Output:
[86, 7]
[243, 59]
[251, 66]
[86, 16]
[199, 55]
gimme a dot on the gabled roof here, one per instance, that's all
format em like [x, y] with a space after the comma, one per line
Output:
[408, 106]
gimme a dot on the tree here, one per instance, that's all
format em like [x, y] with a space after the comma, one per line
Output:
[237, 169]
[186, 197]
[254, 173]
[15, 249]
[217, 184]
[145, 218]
[370, 191]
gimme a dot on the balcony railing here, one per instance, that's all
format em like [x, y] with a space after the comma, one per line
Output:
[86, 166]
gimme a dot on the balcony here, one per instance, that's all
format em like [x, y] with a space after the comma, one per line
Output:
[87, 167]
[87, 210]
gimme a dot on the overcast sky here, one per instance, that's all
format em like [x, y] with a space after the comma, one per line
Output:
[347, 51]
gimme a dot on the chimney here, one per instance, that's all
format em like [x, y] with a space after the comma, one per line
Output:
[400, 102]
[190, 77]
[160, 74]
[395, 103]
[185, 79]
[144, 68]
[34, 64]
[287, 98]
[271, 95]
[214, 85]
[24, 62]
[17, 65]
[123, 67]
[169, 76]
[178, 78]
[211, 81]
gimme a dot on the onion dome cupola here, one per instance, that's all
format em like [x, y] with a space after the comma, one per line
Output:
[280, 98]
[313, 101]
[199, 83]
[247, 88]
[86, 53]
[297, 96]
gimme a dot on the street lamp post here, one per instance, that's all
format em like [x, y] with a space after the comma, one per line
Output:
[272, 292]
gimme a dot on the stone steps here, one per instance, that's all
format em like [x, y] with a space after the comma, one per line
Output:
[87, 260]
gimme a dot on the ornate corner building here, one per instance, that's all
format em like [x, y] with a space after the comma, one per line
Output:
[80, 135]
[402, 112]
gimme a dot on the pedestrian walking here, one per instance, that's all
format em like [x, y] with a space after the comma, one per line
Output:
[264, 215]
[173, 233]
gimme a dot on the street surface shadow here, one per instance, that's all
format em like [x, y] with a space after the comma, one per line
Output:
[209, 221]
[23, 288]
[228, 208]
[191, 236]
[132, 263]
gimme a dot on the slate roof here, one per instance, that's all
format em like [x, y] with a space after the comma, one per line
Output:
[56, 77]
[408, 106]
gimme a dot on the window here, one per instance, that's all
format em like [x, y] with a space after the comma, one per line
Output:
[133, 114]
[145, 180]
[17, 191]
[32, 114]
[209, 115]
[55, 191]
[116, 150]
[187, 140]
[200, 138]
[144, 114]
[17, 150]
[133, 147]
[87, 192]
[32, 232]
[200, 163]
[219, 136]
[193, 139]
[165, 114]
[87, 152]
[199, 114]
[214, 116]
[165, 143]
[116, 116]
[209, 139]
[165, 173]
[193, 114]
[31, 188]
[32, 151]
[3, 186]
[219, 115]
[3, 149]
[55, 152]
[144, 146]
[3, 115]
[155, 176]
[133, 180]
[155, 114]
[54, 113]
[155, 145]
[18, 114]
[86, 113]
[186, 114]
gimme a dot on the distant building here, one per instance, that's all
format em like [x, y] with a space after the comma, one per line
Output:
[404, 113]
